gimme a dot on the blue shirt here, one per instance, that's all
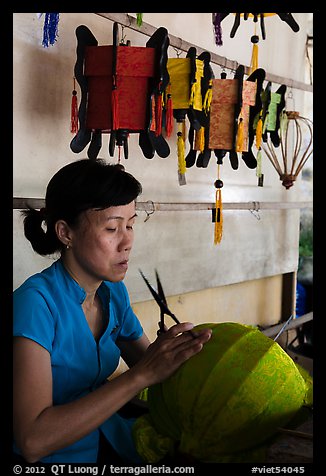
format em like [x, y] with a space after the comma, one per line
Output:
[47, 309]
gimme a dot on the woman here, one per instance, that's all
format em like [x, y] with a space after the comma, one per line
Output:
[73, 321]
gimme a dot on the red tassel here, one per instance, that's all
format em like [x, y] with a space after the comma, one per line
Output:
[74, 112]
[115, 106]
[169, 116]
[153, 114]
[159, 105]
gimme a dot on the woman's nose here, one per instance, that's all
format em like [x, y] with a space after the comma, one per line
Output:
[126, 241]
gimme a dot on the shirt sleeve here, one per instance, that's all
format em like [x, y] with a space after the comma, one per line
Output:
[130, 327]
[32, 317]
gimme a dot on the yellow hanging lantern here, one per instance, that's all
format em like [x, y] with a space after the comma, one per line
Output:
[294, 150]
[185, 90]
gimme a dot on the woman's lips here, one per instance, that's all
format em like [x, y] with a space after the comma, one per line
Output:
[123, 265]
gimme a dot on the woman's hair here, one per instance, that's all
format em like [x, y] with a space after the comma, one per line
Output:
[81, 185]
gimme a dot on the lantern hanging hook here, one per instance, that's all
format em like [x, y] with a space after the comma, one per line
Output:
[177, 51]
[255, 210]
[224, 65]
[123, 36]
[290, 97]
[149, 213]
[130, 20]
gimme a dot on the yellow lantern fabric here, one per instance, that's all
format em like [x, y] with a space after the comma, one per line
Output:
[182, 94]
[179, 71]
[225, 402]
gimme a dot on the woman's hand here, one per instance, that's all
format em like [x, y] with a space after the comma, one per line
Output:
[171, 349]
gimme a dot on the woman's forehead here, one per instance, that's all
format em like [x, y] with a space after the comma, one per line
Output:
[120, 212]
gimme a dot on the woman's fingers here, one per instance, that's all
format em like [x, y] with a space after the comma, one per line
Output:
[171, 349]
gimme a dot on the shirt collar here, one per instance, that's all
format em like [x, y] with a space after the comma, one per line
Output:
[76, 290]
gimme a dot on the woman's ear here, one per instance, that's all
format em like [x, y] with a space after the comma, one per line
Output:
[63, 232]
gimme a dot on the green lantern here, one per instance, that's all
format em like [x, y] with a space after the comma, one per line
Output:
[226, 401]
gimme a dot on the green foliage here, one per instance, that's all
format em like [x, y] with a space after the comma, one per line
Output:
[306, 242]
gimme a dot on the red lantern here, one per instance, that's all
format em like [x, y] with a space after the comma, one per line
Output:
[121, 90]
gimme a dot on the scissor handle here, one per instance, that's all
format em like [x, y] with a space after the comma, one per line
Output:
[161, 326]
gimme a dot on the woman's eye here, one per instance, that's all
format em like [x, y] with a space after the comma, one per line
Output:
[111, 229]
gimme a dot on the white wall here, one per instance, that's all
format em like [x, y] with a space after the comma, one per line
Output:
[178, 244]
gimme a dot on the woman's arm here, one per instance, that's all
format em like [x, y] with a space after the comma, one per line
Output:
[133, 350]
[41, 428]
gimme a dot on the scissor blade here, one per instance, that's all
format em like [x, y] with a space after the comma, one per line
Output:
[162, 304]
[162, 295]
[158, 299]
[160, 287]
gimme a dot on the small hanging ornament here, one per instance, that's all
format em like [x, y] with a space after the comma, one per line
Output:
[240, 135]
[217, 215]
[159, 110]
[139, 19]
[74, 111]
[200, 139]
[181, 152]
[216, 18]
[50, 29]
[259, 135]
[296, 146]
[287, 17]
[168, 109]
[254, 54]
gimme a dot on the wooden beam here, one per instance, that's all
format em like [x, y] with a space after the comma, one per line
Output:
[273, 330]
[25, 202]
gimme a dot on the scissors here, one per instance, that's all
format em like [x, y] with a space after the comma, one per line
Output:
[159, 297]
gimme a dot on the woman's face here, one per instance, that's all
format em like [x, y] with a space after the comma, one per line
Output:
[101, 244]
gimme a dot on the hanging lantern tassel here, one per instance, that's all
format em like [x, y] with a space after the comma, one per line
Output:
[74, 111]
[259, 135]
[217, 211]
[259, 132]
[254, 54]
[200, 139]
[239, 143]
[181, 153]
[139, 19]
[208, 98]
[217, 29]
[115, 106]
[158, 112]
[50, 29]
[168, 113]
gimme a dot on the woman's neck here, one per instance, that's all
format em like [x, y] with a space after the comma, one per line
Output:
[89, 287]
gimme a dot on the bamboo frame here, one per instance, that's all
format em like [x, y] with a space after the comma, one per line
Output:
[21, 203]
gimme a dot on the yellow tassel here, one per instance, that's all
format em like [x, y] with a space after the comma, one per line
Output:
[259, 132]
[218, 229]
[208, 98]
[259, 168]
[181, 150]
[254, 58]
[194, 92]
[239, 143]
[200, 139]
